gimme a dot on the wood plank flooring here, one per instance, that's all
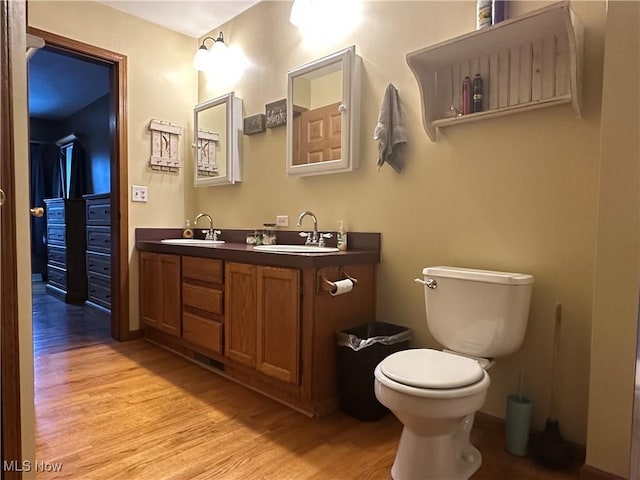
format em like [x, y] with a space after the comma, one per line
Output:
[109, 410]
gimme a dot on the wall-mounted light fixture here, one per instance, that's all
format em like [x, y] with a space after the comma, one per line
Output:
[204, 57]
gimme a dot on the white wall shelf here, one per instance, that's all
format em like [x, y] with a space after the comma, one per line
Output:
[528, 62]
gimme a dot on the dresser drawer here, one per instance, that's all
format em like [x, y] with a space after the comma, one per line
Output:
[202, 332]
[98, 212]
[99, 239]
[99, 263]
[99, 290]
[57, 277]
[202, 269]
[57, 256]
[202, 298]
[55, 212]
[56, 235]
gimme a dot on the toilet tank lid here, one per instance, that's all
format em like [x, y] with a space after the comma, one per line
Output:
[486, 276]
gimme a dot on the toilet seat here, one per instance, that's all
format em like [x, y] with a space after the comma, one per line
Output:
[432, 369]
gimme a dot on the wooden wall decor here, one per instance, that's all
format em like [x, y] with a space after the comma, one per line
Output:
[254, 124]
[276, 113]
[165, 155]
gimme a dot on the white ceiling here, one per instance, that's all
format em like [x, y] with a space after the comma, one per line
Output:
[193, 18]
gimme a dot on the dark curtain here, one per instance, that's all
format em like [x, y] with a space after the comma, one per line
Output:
[37, 152]
[78, 183]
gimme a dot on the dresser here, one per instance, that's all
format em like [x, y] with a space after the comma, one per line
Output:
[98, 218]
[66, 245]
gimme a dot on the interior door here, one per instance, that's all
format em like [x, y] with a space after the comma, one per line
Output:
[12, 24]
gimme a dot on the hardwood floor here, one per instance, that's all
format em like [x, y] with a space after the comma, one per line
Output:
[109, 410]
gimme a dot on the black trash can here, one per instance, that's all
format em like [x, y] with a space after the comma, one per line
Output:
[360, 350]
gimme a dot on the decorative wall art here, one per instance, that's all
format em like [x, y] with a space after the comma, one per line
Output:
[254, 124]
[276, 113]
[164, 146]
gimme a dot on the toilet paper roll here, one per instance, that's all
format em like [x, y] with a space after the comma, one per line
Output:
[342, 287]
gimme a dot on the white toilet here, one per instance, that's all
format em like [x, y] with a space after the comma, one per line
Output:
[476, 315]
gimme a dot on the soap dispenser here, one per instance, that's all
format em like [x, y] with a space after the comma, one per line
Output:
[187, 232]
[341, 237]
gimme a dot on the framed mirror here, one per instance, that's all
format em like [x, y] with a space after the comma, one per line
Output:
[323, 110]
[217, 126]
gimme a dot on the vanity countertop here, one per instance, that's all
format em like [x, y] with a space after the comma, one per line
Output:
[363, 248]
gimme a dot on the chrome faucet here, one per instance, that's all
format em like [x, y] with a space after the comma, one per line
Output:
[210, 234]
[313, 238]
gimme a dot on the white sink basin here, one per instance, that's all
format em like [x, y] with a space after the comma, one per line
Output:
[294, 249]
[191, 241]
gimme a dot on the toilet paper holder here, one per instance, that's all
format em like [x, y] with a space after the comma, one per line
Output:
[327, 285]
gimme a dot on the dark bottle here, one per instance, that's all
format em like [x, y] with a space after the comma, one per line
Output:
[477, 93]
[466, 96]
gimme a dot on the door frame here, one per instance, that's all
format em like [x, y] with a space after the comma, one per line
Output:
[119, 171]
[11, 418]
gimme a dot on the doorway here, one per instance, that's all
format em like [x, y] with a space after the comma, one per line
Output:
[110, 174]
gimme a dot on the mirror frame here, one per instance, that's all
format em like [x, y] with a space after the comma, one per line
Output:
[351, 83]
[233, 136]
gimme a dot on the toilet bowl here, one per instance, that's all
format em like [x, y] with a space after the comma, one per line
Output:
[476, 315]
[435, 395]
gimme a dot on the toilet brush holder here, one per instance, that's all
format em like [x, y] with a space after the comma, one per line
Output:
[518, 423]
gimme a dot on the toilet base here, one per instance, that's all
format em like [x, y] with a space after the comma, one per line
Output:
[438, 457]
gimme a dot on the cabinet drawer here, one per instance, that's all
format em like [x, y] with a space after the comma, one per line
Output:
[57, 256]
[99, 263]
[99, 291]
[98, 213]
[56, 235]
[55, 212]
[99, 239]
[202, 332]
[203, 269]
[208, 299]
[57, 277]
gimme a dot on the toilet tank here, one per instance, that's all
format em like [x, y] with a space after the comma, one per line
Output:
[477, 312]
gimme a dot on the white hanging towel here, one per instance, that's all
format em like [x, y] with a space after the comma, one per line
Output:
[389, 131]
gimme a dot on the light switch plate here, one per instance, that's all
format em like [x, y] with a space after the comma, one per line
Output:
[282, 220]
[139, 193]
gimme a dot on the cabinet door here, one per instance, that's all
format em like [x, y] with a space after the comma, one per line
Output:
[240, 307]
[160, 291]
[278, 349]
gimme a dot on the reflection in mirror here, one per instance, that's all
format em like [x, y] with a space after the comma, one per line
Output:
[323, 103]
[217, 126]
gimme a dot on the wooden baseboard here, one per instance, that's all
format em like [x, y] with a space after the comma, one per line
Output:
[591, 473]
[134, 334]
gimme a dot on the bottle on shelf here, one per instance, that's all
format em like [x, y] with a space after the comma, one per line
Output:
[477, 93]
[483, 13]
[466, 96]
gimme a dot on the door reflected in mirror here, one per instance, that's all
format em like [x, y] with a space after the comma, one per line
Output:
[317, 116]
[323, 103]
[217, 125]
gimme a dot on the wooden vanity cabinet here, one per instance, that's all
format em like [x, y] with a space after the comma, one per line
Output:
[263, 319]
[202, 303]
[159, 288]
[271, 328]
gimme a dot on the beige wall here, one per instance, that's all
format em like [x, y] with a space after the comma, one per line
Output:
[617, 280]
[514, 193]
[161, 85]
